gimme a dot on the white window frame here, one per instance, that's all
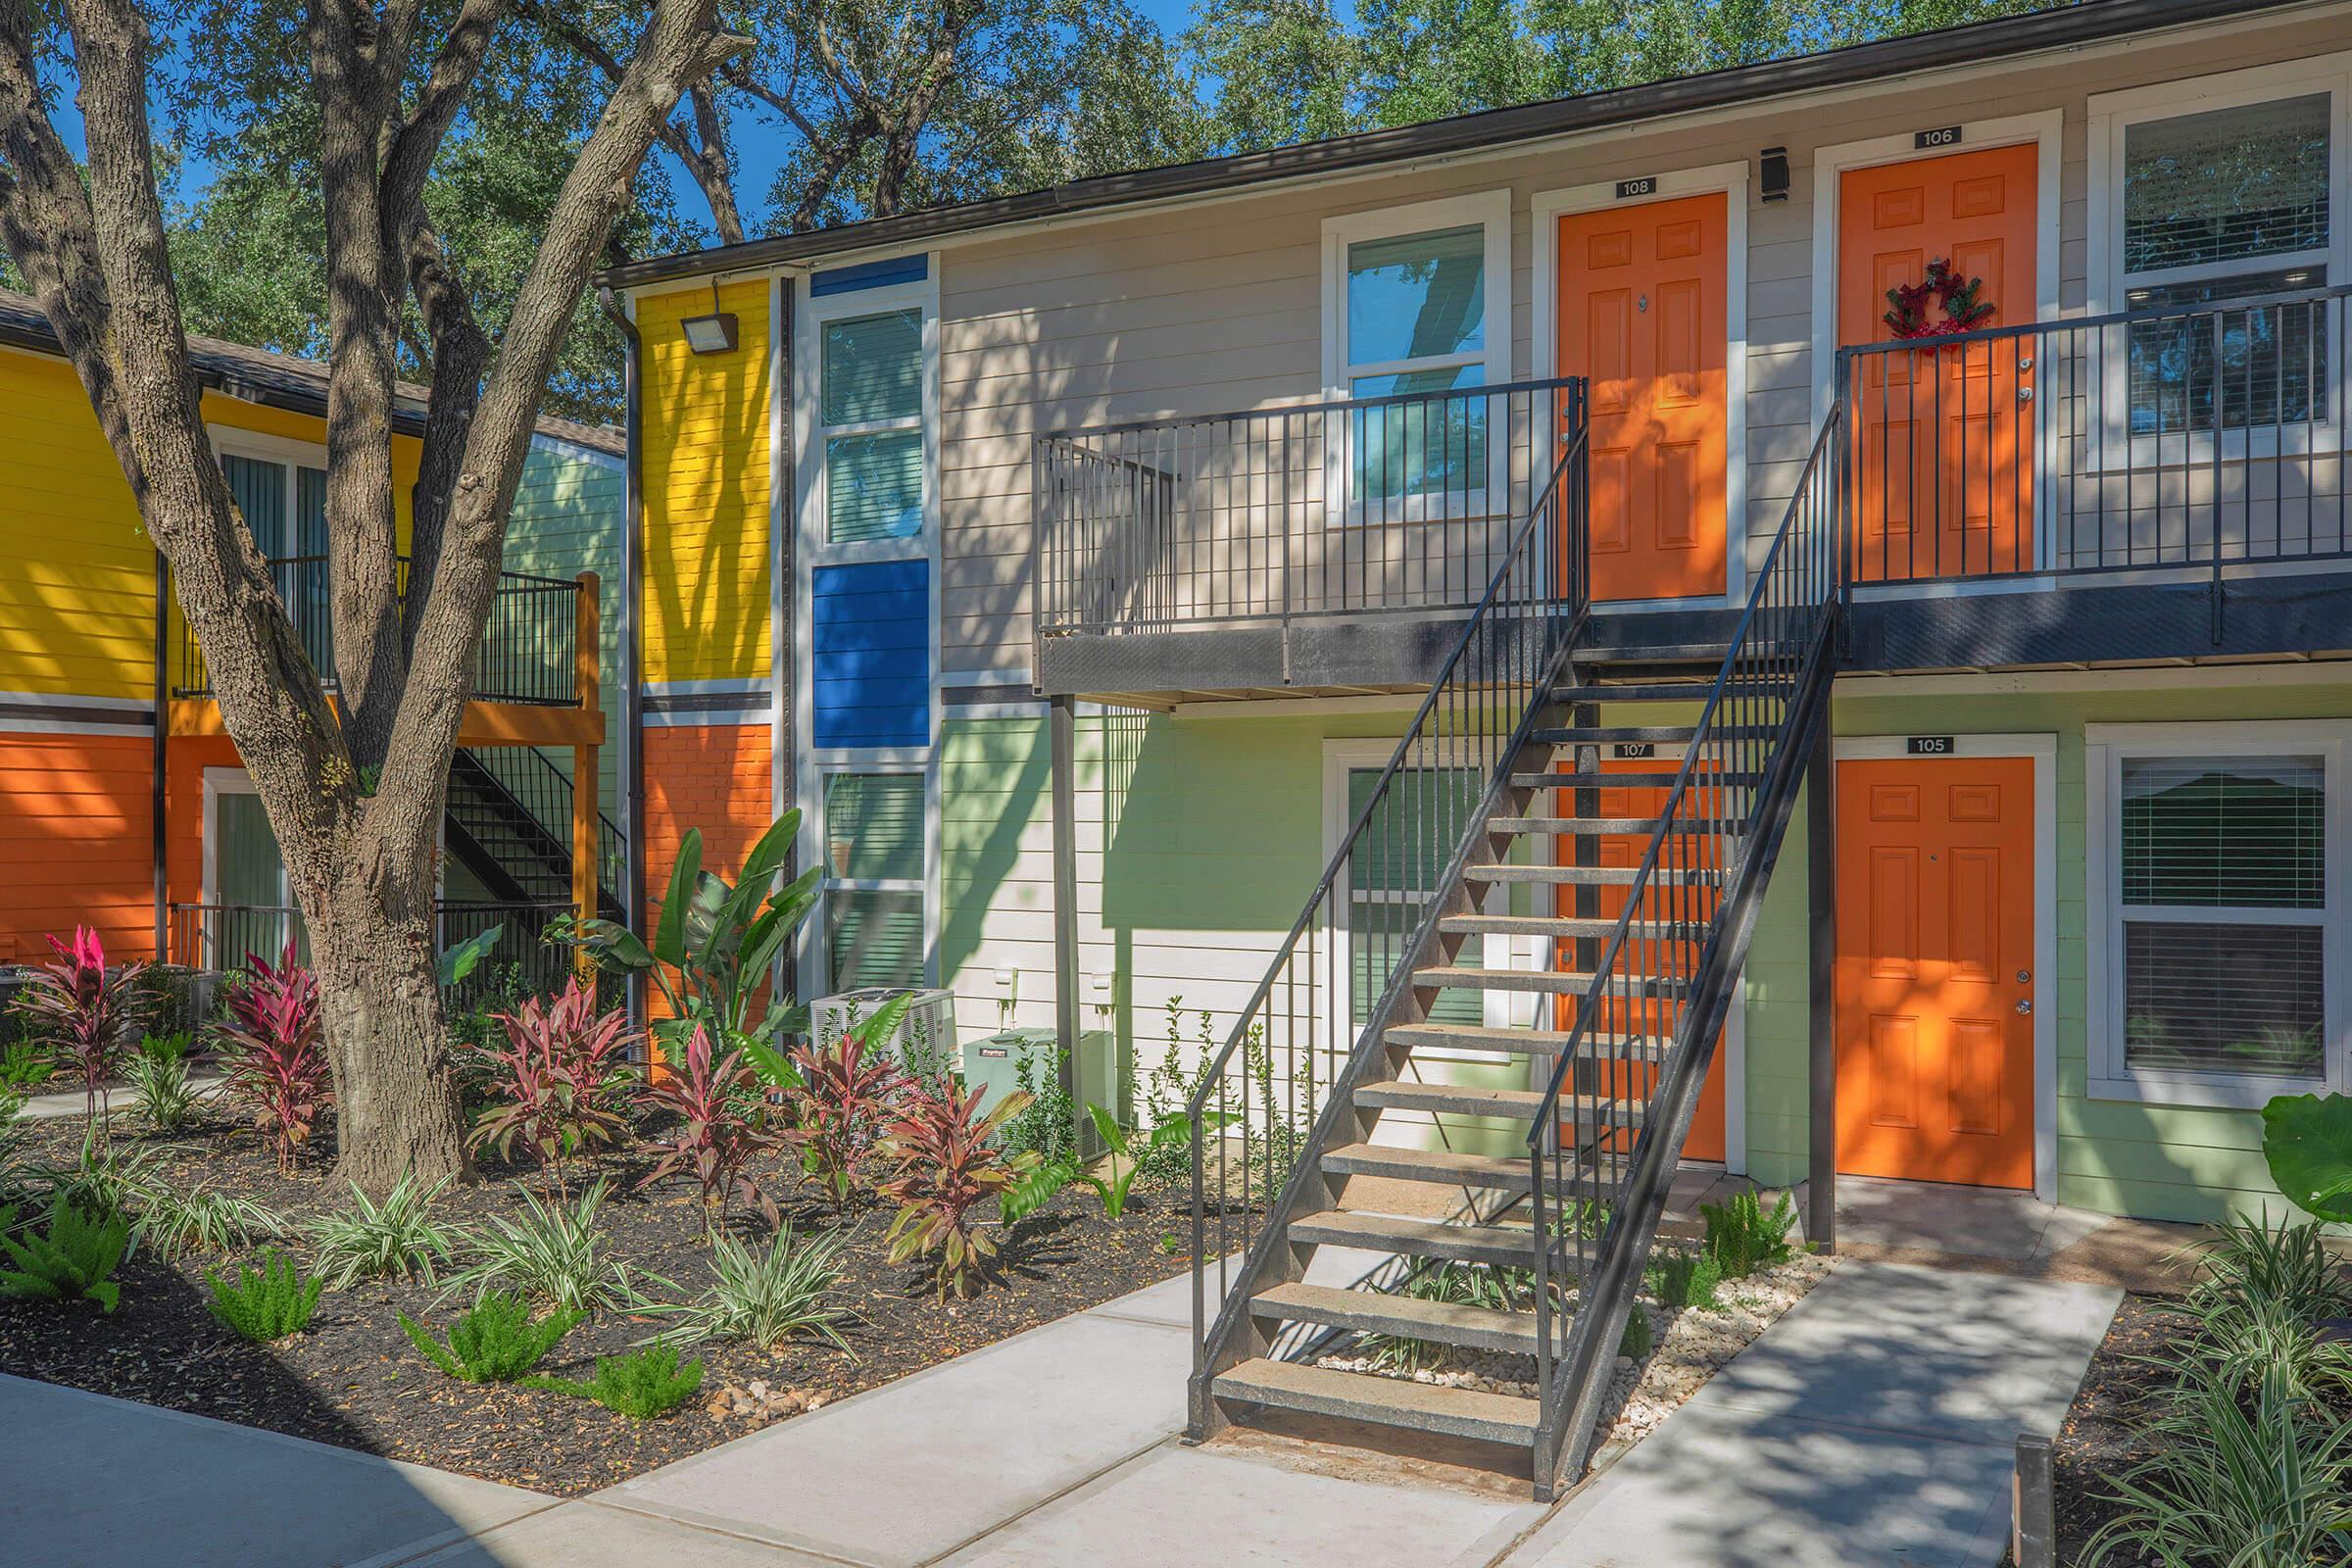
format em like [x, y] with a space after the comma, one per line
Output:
[800, 411]
[1490, 213]
[922, 887]
[2105, 748]
[292, 456]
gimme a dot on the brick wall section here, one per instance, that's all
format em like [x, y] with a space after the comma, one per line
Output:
[73, 842]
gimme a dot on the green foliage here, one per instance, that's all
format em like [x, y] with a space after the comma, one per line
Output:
[73, 1260]
[266, 1303]
[1168, 1092]
[495, 1341]
[2290, 1262]
[460, 960]
[396, 1239]
[1688, 1280]
[201, 1219]
[2255, 1307]
[948, 1158]
[1047, 1128]
[1742, 1238]
[1639, 1339]
[765, 1297]
[840, 1095]
[1457, 1284]
[1036, 1188]
[555, 1253]
[641, 1385]
[24, 1066]
[1128, 1161]
[160, 1087]
[2307, 1139]
[109, 1182]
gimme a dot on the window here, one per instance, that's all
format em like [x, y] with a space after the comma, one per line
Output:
[1390, 877]
[2225, 204]
[2221, 948]
[871, 410]
[284, 505]
[1417, 308]
[874, 926]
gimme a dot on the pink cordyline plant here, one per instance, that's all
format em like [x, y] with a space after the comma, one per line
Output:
[273, 1054]
[556, 1078]
[722, 1127]
[85, 1014]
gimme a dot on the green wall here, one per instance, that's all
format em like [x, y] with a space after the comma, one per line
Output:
[566, 520]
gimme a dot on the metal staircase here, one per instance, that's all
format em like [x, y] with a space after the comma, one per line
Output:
[509, 820]
[1323, 1122]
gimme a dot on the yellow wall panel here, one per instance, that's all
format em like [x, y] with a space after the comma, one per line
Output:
[705, 475]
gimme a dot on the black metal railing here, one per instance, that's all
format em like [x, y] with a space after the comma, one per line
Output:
[520, 799]
[1646, 1018]
[527, 651]
[218, 938]
[1310, 1030]
[1411, 502]
[2201, 433]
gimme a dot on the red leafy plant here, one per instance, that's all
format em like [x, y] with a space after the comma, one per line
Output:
[947, 1157]
[722, 1126]
[554, 1082]
[273, 1055]
[83, 1014]
[847, 1094]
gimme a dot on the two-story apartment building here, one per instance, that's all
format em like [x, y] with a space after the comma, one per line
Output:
[1786, 618]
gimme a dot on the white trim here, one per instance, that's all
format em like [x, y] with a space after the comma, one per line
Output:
[2109, 1075]
[229, 440]
[1862, 686]
[1490, 210]
[780, 781]
[1730, 180]
[216, 782]
[743, 717]
[2042, 749]
[2044, 128]
[754, 688]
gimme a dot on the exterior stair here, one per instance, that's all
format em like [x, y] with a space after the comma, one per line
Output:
[508, 821]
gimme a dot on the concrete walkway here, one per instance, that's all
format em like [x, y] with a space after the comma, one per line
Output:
[1871, 1426]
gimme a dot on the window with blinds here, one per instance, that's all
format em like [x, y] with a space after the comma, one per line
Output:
[2223, 864]
[870, 404]
[1393, 873]
[285, 506]
[874, 898]
[1416, 323]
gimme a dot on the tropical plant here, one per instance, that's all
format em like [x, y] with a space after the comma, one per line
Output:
[73, 1258]
[23, 1067]
[641, 1385]
[553, 1083]
[1680, 1279]
[105, 1181]
[1128, 1161]
[493, 1341]
[762, 1298]
[722, 1127]
[200, 1219]
[1639, 1339]
[2254, 1260]
[160, 1087]
[2271, 1488]
[1048, 1127]
[716, 944]
[1742, 1238]
[1459, 1283]
[842, 1097]
[947, 1158]
[1037, 1188]
[2307, 1140]
[266, 1303]
[396, 1239]
[83, 1014]
[273, 1051]
[17, 1177]
[554, 1253]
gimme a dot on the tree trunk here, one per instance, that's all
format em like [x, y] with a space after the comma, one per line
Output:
[397, 1109]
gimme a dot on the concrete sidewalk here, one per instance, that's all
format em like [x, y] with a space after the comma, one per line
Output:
[1875, 1424]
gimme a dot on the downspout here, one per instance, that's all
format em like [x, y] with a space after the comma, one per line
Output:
[632, 661]
[157, 826]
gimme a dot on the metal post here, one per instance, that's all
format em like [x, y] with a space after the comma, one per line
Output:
[2033, 1506]
[586, 638]
[158, 826]
[1065, 737]
[1821, 1073]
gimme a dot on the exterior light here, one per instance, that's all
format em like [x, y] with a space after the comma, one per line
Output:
[713, 333]
[1773, 188]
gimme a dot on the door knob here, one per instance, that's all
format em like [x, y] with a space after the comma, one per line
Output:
[2025, 1006]
[2025, 394]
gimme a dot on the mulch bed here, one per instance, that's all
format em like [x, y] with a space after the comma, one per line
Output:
[355, 1380]
[2105, 1431]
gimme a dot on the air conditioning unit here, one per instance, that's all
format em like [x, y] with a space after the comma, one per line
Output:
[995, 1064]
[924, 1041]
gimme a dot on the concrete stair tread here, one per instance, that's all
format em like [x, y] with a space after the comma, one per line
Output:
[1645, 691]
[1477, 1328]
[1549, 982]
[1656, 734]
[1524, 1042]
[1387, 1401]
[1475, 1099]
[1554, 925]
[1444, 1166]
[1644, 780]
[1493, 871]
[1512, 1246]
[1575, 827]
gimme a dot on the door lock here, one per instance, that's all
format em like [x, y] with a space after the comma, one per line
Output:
[2025, 977]
[2025, 394]
[2025, 1006]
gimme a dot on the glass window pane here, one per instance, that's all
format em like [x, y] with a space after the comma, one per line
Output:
[873, 369]
[1417, 295]
[875, 826]
[2226, 184]
[2240, 999]
[874, 486]
[2239, 831]
[874, 939]
[259, 491]
[2264, 365]
[1402, 855]
[305, 586]
[246, 866]
[1434, 446]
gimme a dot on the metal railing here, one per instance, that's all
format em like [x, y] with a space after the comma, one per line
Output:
[2202, 433]
[219, 937]
[1646, 1018]
[1310, 1030]
[1409, 502]
[521, 795]
[527, 651]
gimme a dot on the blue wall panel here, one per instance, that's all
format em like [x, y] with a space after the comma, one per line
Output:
[870, 645]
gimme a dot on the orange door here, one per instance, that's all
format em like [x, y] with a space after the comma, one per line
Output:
[1679, 960]
[1934, 959]
[1642, 313]
[1942, 437]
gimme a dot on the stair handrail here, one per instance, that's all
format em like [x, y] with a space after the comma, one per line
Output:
[1785, 697]
[612, 848]
[1549, 541]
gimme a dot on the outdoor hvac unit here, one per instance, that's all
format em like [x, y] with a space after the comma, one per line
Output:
[995, 1064]
[925, 1040]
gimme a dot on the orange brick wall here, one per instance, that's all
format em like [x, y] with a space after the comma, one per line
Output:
[717, 777]
[75, 842]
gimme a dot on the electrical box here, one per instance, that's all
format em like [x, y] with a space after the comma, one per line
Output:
[995, 1064]
[925, 1042]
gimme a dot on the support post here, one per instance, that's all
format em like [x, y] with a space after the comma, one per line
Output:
[586, 632]
[1821, 1072]
[157, 815]
[1063, 724]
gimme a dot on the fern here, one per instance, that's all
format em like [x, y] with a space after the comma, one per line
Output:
[73, 1259]
[641, 1385]
[496, 1342]
[266, 1303]
[1742, 1238]
[1687, 1279]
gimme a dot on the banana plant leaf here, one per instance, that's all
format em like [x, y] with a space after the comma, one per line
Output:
[2308, 1141]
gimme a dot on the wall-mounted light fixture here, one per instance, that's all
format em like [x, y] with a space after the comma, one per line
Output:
[1774, 185]
[713, 333]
